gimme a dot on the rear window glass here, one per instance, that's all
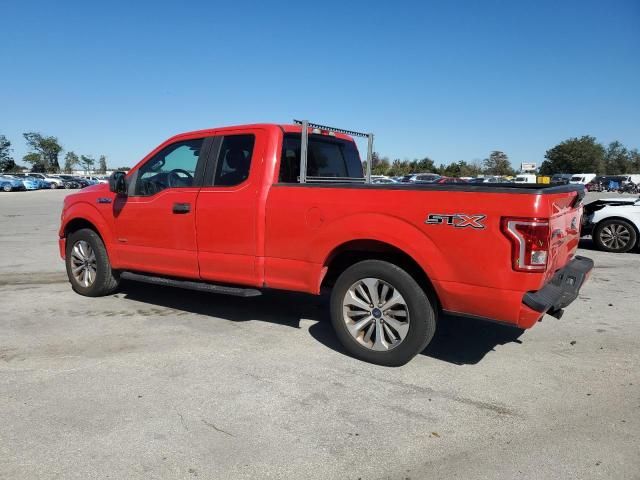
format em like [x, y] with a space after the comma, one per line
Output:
[326, 157]
[577, 178]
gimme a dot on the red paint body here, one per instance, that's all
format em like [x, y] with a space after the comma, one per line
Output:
[264, 234]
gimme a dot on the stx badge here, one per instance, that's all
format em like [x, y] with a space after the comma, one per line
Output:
[457, 220]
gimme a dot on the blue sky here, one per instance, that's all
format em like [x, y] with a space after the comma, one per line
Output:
[450, 80]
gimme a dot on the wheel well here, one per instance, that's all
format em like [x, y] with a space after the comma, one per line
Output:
[633, 225]
[356, 251]
[78, 224]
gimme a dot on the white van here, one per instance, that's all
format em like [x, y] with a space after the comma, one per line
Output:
[525, 178]
[583, 178]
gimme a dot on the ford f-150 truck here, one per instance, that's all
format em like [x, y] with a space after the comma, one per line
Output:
[241, 209]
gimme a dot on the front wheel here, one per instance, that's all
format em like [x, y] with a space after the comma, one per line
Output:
[381, 314]
[615, 235]
[88, 266]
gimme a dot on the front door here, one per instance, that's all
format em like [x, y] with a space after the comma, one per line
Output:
[155, 223]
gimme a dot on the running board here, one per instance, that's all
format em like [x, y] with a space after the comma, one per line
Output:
[191, 285]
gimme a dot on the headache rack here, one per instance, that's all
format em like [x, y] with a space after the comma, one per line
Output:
[325, 130]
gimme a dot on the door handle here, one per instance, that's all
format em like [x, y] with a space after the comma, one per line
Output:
[181, 207]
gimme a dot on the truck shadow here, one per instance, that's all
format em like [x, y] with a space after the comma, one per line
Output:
[458, 340]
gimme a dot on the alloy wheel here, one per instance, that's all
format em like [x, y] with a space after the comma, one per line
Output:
[615, 236]
[376, 314]
[83, 263]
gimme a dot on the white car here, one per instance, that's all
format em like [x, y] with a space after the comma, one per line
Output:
[582, 178]
[614, 223]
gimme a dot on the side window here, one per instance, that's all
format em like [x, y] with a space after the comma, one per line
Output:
[326, 157]
[234, 160]
[172, 167]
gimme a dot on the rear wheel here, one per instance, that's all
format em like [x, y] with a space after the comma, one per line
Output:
[615, 235]
[381, 314]
[88, 266]
[6, 187]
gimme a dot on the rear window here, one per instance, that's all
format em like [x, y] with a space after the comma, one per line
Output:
[326, 157]
[576, 178]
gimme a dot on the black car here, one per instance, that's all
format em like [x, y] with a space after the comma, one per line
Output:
[73, 182]
[561, 178]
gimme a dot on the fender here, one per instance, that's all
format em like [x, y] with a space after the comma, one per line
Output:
[88, 212]
[384, 228]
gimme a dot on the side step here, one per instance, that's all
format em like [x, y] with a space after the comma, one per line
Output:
[191, 285]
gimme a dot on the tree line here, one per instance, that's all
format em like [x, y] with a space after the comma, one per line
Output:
[497, 163]
[587, 155]
[574, 155]
[44, 156]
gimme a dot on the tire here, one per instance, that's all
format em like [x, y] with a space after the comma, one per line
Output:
[7, 187]
[102, 279]
[67, 186]
[615, 235]
[419, 313]
[52, 186]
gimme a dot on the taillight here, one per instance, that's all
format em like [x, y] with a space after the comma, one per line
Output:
[529, 243]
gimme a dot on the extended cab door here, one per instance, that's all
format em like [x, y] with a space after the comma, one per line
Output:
[155, 223]
[227, 210]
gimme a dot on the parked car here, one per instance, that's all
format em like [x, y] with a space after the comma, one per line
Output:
[614, 223]
[240, 218]
[95, 180]
[383, 180]
[561, 178]
[420, 178]
[39, 181]
[58, 183]
[476, 180]
[449, 180]
[8, 184]
[526, 178]
[582, 178]
[28, 182]
[74, 182]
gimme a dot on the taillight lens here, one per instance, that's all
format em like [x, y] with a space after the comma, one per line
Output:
[529, 243]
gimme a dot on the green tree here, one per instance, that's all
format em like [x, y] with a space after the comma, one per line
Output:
[616, 159]
[424, 165]
[6, 160]
[102, 164]
[634, 161]
[47, 148]
[35, 159]
[498, 164]
[575, 155]
[87, 162]
[70, 161]
[399, 167]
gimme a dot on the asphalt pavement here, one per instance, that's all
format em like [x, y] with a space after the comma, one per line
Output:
[154, 382]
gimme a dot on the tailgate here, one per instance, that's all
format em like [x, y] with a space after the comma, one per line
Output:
[564, 228]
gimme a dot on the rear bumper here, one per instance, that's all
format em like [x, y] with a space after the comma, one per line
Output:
[562, 289]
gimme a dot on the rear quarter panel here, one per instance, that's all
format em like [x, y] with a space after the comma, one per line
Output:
[470, 268]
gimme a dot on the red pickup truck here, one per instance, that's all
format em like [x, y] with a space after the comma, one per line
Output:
[240, 209]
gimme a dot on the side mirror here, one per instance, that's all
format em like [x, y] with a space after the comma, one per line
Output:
[117, 183]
